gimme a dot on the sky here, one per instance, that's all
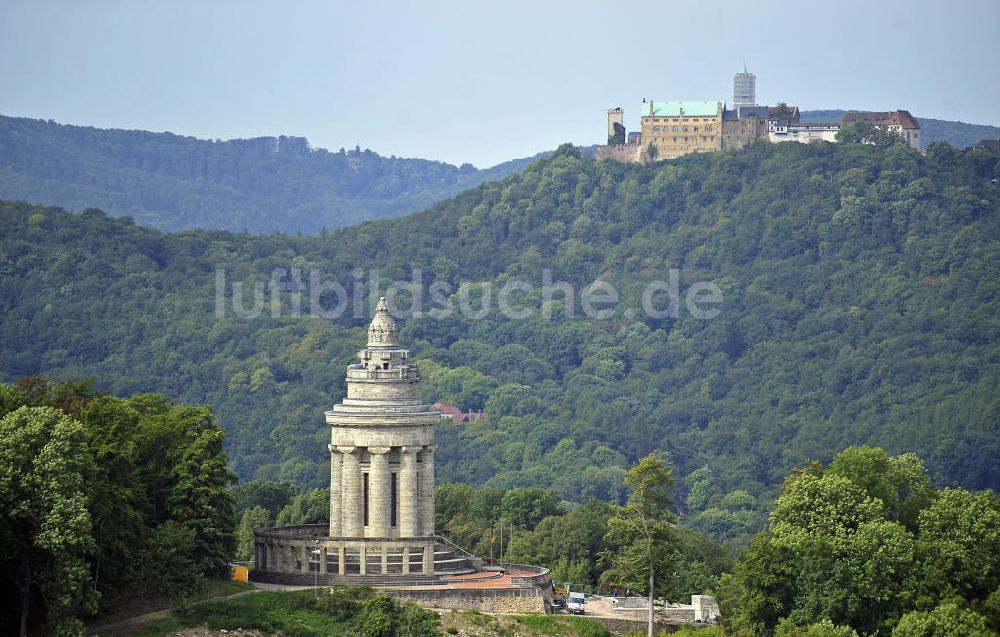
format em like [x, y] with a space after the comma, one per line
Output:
[479, 82]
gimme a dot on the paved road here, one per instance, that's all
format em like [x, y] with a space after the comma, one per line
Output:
[602, 607]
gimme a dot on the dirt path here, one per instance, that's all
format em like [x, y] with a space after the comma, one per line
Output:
[96, 631]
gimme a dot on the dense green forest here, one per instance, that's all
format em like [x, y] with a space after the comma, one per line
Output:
[958, 134]
[859, 306]
[103, 499]
[264, 184]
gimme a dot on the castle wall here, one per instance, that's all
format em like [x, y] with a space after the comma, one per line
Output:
[737, 133]
[625, 153]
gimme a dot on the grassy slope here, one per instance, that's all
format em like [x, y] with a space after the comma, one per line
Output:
[295, 613]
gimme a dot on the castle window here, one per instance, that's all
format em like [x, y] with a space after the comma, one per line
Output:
[656, 129]
[696, 129]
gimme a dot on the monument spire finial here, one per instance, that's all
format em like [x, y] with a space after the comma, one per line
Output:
[383, 333]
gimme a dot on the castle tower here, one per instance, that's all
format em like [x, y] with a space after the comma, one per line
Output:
[616, 126]
[382, 462]
[744, 89]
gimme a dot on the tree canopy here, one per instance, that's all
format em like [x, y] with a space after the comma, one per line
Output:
[860, 305]
[834, 551]
[104, 498]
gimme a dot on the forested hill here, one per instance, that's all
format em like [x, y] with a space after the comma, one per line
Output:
[861, 304]
[261, 185]
[266, 184]
[958, 134]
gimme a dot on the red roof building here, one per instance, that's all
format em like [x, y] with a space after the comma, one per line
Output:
[901, 122]
[456, 415]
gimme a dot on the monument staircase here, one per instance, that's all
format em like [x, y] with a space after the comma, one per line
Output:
[450, 559]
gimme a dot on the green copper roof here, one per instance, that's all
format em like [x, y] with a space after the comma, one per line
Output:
[677, 109]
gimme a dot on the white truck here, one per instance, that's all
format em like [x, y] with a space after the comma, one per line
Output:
[575, 603]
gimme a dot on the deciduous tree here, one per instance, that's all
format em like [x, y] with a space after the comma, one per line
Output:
[642, 550]
[45, 524]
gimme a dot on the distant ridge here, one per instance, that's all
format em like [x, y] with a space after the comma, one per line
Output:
[266, 184]
[260, 185]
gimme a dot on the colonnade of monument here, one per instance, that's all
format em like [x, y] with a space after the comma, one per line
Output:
[413, 468]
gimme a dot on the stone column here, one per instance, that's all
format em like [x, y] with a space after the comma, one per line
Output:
[352, 512]
[429, 560]
[322, 559]
[378, 492]
[336, 503]
[426, 498]
[407, 492]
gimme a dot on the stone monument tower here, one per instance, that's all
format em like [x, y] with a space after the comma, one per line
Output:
[381, 528]
[382, 462]
[381, 484]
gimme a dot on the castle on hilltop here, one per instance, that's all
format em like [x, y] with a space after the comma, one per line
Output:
[675, 128]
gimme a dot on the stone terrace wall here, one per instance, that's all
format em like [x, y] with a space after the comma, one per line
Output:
[538, 577]
[622, 626]
[504, 600]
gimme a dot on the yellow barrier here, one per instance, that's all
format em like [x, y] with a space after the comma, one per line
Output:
[240, 573]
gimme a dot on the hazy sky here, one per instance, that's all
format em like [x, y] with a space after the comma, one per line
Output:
[475, 81]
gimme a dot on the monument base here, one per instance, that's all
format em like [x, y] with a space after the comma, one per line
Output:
[305, 554]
